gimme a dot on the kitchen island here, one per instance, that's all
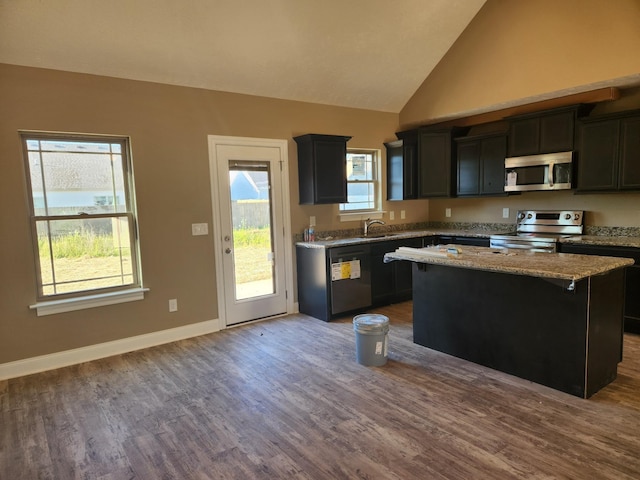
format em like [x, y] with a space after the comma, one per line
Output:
[555, 319]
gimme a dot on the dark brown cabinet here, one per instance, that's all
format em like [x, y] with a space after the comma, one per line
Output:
[428, 164]
[544, 132]
[391, 282]
[322, 176]
[609, 153]
[402, 181]
[480, 165]
[436, 165]
[632, 278]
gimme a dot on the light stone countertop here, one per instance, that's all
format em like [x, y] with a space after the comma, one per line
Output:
[341, 242]
[604, 240]
[608, 241]
[560, 266]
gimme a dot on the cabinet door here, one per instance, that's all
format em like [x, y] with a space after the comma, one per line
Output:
[630, 153]
[524, 137]
[598, 155]
[330, 171]
[435, 164]
[492, 154]
[469, 168]
[542, 133]
[322, 173]
[410, 170]
[403, 279]
[557, 132]
[391, 282]
[632, 292]
[395, 171]
[381, 280]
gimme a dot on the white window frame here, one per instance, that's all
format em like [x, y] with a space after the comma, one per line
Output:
[47, 304]
[375, 212]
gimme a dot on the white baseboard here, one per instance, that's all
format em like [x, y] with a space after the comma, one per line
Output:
[52, 361]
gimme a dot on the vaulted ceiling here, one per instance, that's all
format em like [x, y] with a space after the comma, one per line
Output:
[370, 54]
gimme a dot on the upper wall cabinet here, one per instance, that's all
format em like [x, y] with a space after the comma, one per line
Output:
[428, 163]
[544, 132]
[481, 165]
[609, 152]
[402, 165]
[322, 175]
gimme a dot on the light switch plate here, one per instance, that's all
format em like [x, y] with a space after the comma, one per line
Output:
[402, 216]
[447, 212]
[312, 221]
[505, 212]
[173, 305]
[199, 229]
[392, 215]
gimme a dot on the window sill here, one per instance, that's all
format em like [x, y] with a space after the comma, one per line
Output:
[88, 301]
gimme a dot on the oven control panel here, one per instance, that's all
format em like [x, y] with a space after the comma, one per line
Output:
[553, 221]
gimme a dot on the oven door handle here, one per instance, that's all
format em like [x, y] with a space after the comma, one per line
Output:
[526, 246]
[517, 245]
[550, 174]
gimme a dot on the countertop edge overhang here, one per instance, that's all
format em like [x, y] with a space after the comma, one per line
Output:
[557, 266]
[611, 241]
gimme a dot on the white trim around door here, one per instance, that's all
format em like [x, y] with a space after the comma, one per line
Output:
[215, 142]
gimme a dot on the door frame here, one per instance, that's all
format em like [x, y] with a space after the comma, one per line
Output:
[283, 147]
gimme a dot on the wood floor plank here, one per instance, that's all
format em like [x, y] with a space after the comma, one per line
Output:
[285, 398]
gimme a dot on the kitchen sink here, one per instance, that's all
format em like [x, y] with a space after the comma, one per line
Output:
[381, 235]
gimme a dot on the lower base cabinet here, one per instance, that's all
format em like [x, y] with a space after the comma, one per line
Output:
[323, 294]
[632, 278]
[391, 282]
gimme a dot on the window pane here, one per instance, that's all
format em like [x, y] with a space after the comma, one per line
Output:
[360, 196]
[85, 254]
[361, 181]
[81, 178]
[359, 166]
[72, 177]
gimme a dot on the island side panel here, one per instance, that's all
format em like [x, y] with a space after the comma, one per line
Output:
[606, 329]
[525, 326]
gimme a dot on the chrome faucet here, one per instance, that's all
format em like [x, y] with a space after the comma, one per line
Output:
[368, 222]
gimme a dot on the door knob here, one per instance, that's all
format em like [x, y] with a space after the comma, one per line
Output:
[227, 238]
[228, 250]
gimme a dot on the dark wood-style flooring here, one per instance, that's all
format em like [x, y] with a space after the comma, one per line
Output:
[285, 398]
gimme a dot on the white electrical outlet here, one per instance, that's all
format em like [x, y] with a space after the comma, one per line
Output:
[402, 215]
[173, 305]
[392, 215]
[199, 229]
[447, 212]
[312, 221]
[505, 213]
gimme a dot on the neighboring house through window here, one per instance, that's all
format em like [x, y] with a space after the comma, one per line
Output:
[82, 214]
[363, 190]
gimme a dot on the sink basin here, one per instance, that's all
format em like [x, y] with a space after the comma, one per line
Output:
[381, 235]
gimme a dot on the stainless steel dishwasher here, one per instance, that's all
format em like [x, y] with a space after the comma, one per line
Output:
[350, 278]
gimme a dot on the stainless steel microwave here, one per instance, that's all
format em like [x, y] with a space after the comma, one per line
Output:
[549, 171]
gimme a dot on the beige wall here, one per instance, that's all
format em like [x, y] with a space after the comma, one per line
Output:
[168, 126]
[514, 50]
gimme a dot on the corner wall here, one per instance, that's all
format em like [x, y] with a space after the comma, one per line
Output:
[513, 52]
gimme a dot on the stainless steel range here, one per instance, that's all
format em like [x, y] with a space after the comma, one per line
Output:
[540, 230]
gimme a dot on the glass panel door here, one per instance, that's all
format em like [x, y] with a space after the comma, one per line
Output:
[253, 264]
